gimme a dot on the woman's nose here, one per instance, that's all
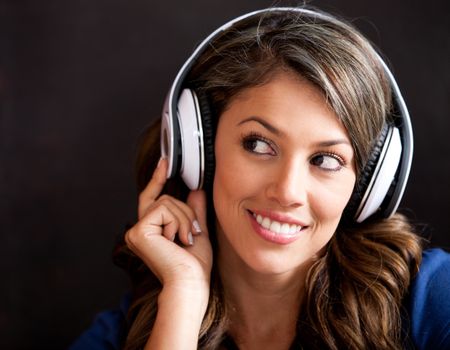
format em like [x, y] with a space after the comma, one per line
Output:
[289, 185]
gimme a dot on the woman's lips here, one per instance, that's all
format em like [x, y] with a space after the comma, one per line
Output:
[274, 231]
[273, 215]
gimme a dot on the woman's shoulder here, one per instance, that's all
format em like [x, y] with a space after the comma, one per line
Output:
[429, 304]
[106, 331]
[434, 260]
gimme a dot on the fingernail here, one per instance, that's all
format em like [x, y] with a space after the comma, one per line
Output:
[196, 226]
[160, 161]
[190, 238]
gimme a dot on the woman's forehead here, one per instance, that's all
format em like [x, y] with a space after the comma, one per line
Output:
[286, 104]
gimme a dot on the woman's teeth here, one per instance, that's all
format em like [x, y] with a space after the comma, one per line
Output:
[277, 227]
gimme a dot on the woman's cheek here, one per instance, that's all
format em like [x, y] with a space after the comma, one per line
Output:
[330, 200]
[234, 169]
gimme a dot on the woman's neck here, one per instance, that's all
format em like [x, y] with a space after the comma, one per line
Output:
[262, 308]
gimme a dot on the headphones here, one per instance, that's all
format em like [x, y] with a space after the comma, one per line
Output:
[187, 137]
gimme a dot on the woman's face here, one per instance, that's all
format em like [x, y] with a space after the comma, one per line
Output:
[284, 173]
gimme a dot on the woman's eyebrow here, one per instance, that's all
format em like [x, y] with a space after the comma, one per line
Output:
[274, 130]
[330, 143]
[265, 124]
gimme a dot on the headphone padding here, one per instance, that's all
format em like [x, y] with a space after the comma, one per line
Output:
[208, 138]
[366, 176]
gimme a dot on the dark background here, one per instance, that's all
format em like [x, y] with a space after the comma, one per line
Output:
[78, 81]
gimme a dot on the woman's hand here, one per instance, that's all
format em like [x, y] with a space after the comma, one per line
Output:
[161, 219]
[184, 269]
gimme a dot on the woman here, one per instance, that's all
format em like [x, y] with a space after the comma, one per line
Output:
[269, 255]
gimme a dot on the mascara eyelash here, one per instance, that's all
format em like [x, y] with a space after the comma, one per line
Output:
[341, 160]
[253, 135]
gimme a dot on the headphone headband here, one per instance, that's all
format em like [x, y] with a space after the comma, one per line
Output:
[170, 104]
[382, 195]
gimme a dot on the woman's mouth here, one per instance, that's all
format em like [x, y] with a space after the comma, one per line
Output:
[275, 226]
[275, 231]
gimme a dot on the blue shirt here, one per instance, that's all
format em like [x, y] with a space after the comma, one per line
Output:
[428, 308]
[429, 305]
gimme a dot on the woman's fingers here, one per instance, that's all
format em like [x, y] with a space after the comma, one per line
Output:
[183, 218]
[197, 201]
[154, 188]
[169, 217]
[150, 194]
[202, 246]
[151, 238]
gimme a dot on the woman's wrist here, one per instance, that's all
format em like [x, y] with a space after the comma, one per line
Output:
[181, 310]
[187, 295]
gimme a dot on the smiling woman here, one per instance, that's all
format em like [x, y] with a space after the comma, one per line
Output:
[295, 167]
[294, 127]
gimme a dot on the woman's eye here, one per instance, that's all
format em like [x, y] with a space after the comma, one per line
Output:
[257, 145]
[327, 162]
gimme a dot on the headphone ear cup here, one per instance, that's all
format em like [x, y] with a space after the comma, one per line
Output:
[191, 138]
[365, 177]
[209, 128]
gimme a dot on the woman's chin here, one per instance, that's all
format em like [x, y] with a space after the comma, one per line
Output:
[273, 264]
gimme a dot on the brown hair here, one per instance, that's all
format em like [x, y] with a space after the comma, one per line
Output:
[354, 292]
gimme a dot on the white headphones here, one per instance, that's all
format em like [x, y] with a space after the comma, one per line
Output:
[187, 137]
